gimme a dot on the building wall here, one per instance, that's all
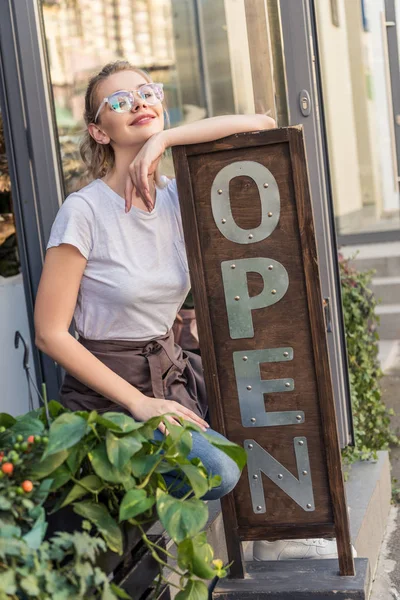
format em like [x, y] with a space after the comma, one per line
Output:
[363, 105]
[382, 100]
[338, 106]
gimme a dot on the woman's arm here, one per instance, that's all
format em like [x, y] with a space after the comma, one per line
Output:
[206, 130]
[214, 128]
[55, 304]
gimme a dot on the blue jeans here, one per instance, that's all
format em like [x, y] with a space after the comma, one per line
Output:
[215, 461]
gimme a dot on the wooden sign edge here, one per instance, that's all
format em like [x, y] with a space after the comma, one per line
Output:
[321, 356]
[198, 284]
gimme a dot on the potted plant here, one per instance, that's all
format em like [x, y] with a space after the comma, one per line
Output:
[108, 471]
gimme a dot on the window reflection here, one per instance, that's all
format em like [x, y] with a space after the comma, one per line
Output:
[9, 261]
[83, 35]
[355, 60]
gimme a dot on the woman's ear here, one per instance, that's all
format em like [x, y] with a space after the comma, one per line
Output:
[97, 134]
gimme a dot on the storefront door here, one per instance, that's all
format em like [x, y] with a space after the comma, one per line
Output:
[207, 54]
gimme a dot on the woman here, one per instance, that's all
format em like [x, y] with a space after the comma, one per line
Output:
[116, 262]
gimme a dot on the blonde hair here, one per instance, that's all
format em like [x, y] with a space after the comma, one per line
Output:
[99, 158]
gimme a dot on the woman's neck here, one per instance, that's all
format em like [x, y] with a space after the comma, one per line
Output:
[116, 179]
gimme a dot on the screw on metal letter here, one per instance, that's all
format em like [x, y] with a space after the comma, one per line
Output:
[270, 201]
[286, 354]
[223, 221]
[235, 283]
[252, 406]
[299, 490]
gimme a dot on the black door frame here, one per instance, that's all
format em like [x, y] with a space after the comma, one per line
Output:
[32, 152]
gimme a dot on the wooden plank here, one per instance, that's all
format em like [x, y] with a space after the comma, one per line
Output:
[296, 580]
[321, 357]
[206, 341]
[260, 51]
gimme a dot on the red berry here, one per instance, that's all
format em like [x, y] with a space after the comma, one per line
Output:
[7, 468]
[31, 439]
[27, 486]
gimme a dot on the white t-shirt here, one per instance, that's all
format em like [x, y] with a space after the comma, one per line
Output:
[136, 277]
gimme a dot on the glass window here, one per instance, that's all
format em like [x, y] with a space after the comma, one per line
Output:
[360, 124]
[198, 50]
[13, 312]
[83, 35]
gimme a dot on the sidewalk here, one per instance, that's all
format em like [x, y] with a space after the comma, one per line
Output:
[387, 580]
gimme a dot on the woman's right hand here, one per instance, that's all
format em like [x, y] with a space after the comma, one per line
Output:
[145, 409]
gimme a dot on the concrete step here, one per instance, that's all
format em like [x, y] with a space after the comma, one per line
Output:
[387, 289]
[389, 328]
[389, 353]
[382, 258]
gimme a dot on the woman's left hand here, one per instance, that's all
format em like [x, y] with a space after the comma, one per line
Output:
[141, 168]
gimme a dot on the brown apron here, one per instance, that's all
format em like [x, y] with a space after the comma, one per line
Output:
[158, 368]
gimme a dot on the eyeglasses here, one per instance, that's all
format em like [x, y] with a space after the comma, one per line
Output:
[124, 100]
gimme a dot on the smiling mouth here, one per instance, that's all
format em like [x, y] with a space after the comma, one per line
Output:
[142, 120]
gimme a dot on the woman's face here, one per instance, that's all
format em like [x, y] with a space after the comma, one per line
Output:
[134, 127]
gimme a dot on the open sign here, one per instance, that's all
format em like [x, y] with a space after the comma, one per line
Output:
[250, 242]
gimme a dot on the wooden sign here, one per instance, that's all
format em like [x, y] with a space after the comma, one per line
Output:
[250, 241]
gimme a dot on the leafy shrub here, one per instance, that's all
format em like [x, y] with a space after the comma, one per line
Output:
[370, 415]
[61, 568]
[109, 469]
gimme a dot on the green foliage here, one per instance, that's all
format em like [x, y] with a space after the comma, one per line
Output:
[371, 417]
[110, 470]
[59, 569]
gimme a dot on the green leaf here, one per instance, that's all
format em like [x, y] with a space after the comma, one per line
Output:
[10, 531]
[7, 583]
[92, 482]
[99, 516]
[36, 535]
[100, 420]
[121, 449]
[5, 504]
[179, 442]
[232, 450]
[120, 593]
[46, 467]
[66, 431]
[194, 590]
[29, 584]
[56, 409]
[181, 518]
[27, 426]
[105, 469]
[78, 453]
[60, 476]
[197, 479]
[142, 465]
[43, 491]
[6, 420]
[135, 502]
[196, 556]
[126, 424]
